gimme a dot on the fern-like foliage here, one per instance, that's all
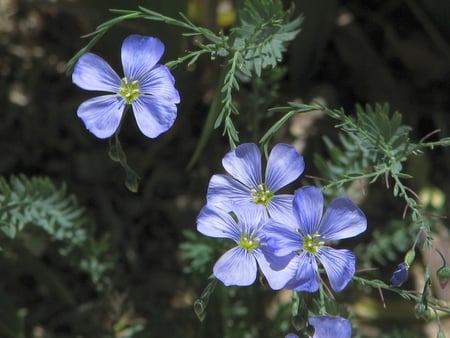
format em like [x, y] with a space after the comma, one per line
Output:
[37, 202]
[261, 37]
[374, 143]
[387, 246]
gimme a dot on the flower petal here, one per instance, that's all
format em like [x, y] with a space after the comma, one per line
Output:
[277, 270]
[250, 219]
[339, 266]
[214, 222]
[307, 275]
[308, 208]
[91, 72]
[102, 114]
[400, 275]
[223, 189]
[281, 238]
[139, 55]
[236, 267]
[280, 206]
[244, 164]
[330, 327]
[160, 82]
[342, 219]
[154, 115]
[283, 166]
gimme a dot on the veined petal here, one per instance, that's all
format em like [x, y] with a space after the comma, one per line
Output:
[225, 189]
[307, 275]
[339, 266]
[244, 164]
[91, 72]
[280, 206]
[330, 327]
[139, 55]
[281, 238]
[102, 114]
[236, 267]
[214, 222]
[308, 208]
[283, 166]
[342, 219]
[250, 219]
[159, 82]
[277, 270]
[154, 115]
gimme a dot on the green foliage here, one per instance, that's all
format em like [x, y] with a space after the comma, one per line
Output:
[262, 34]
[386, 244]
[373, 144]
[37, 202]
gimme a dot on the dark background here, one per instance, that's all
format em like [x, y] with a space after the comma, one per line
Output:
[349, 52]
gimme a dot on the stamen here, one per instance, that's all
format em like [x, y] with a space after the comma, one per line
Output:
[312, 243]
[248, 242]
[261, 195]
[129, 91]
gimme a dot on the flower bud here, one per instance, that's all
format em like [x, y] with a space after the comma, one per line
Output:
[409, 257]
[443, 274]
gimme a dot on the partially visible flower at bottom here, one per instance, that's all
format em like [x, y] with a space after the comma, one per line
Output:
[331, 327]
[238, 266]
[400, 275]
[328, 327]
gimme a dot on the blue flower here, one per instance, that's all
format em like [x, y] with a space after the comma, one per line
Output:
[246, 187]
[328, 327]
[147, 86]
[305, 232]
[331, 327]
[238, 266]
[400, 275]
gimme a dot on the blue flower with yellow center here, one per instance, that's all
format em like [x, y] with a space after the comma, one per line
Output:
[244, 186]
[148, 87]
[239, 265]
[306, 231]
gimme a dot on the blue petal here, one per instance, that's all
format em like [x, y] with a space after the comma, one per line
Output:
[280, 206]
[244, 164]
[91, 72]
[400, 275]
[342, 219]
[308, 209]
[160, 82]
[283, 166]
[339, 266]
[307, 275]
[214, 222]
[250, 219]
[330, 327]
[236, 267]
[291, 335]
[139, 55]
[277, 270]
[102, 114]
[223, 189]
[154, 115]
[282, 239]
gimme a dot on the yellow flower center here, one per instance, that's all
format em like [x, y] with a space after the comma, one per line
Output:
[248, 243]
[129, 91]
[312, 243]
[261, 195]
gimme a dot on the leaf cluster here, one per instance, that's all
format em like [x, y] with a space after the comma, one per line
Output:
[37, 202]
[374, 143]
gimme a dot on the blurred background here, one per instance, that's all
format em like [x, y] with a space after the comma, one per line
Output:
[395, 51]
